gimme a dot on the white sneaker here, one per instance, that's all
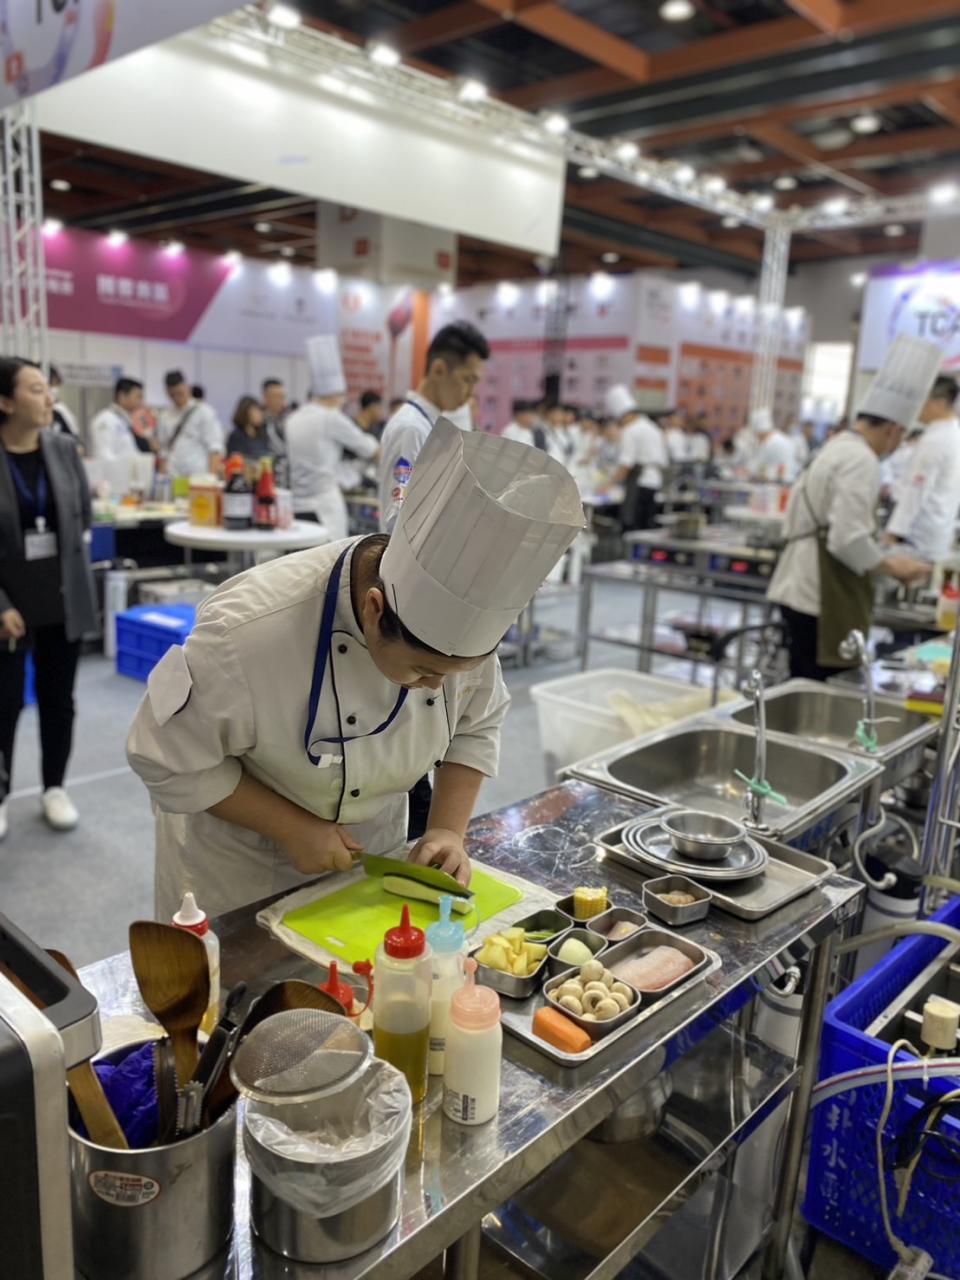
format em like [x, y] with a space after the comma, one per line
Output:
[3, 820]
[59, 810]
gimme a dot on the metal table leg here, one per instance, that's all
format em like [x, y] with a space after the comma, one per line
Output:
[648, 627]
[583, 621]
[462, 1259]
[808, 1053]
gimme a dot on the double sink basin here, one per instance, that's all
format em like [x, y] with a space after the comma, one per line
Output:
[813, 760]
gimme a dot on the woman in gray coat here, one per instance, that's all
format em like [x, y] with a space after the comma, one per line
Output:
[47, 600]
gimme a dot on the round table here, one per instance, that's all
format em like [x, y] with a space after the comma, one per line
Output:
[242, 545]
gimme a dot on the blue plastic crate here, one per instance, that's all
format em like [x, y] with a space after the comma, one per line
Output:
[146, 632]
[29, 682]
[842, 1197]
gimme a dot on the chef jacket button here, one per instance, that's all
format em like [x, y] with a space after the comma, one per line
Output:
[437, 764]
[431, 701]
[355, 792]
[341, 648]
[351, 719]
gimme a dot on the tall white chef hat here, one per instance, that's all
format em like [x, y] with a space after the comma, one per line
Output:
[761, 421]
[904, 380]
[482, 524]
[618, 401]
[326, 370]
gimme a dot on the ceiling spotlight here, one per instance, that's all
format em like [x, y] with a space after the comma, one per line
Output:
[786, 182]
[714, 185]
[894, 229]
[677, 10]
[60, 184]
[508, 294]
[471, 90]
[610, 258]
[626, 152]
[384, 55]
[858, 279]
[263, 228]
[283, 15]
[689, 295]
[588, 171]
[117, 238]
[173, 248]
[52, 226]
[730, 222]
[836, 207]
[280, 273]
[684, 174]
[326, 280]
[763, 202]
[287, 251]
[233, 258]
[718, 300]
[555, 123]
[866, 122]
[944, 193]
[602, 285]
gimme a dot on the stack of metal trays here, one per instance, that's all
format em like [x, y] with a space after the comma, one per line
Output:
[652, 846]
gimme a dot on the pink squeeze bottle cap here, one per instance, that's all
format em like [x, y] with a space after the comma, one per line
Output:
[474, 1008]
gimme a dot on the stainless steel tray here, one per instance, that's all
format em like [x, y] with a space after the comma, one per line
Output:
[517, 1016]
[789, 874]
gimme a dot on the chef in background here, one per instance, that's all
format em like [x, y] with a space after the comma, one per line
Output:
[190, 436]
[314, 690]
[643, 459]
[688, 444]
[111, 432]
[773, 456]
[928, 488]
[823, 582]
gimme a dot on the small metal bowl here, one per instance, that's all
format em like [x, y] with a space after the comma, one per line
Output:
[595, 1030]
[566, 906]
[666, 911]
[592, 940]
[606, 920]
[706, 836]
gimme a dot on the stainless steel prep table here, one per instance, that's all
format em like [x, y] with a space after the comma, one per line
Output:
[455, 1176]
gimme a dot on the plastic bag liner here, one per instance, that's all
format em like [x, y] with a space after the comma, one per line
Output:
[355, 1150]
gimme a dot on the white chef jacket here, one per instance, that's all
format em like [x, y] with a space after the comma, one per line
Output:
[316, 437]
[554, 449]
[687, 446]
[235, 699]
[929, 491]
[642, 445]
[403, 438]
[843, 485]
[202, 435]
[774, 458]
[111, 435]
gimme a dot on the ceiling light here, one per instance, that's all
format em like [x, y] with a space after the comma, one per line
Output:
[626, 152]
[730, 222]
[326, 280]
[472, 90]
[555, 123]
[684, 174]
[588, 171]
[173, 248]
[714, 185]
[866, 122]
[287, 251]
[786, 182]
[602, 285]
[610, 257]
[117, 238]
[677, 10]
[894, 229]
[858, 279]
[280, 274]
[60, 184]
[944, 193]
[745, 303]
[445, 288]
[52, 226]
[763, 202]
[508, 295]
[546, 292]
[263, 228]
[283, 15]
[836, 207]
[384, 55]
[833, 139]
[718, 300]
[689, 295]
[233, 258]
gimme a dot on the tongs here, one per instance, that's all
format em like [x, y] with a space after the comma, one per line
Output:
[194, 1094]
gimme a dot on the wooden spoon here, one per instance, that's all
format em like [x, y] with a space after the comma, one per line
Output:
[174, 979]
[87, 1091]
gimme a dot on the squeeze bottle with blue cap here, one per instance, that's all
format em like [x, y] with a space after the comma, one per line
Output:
[448, 942]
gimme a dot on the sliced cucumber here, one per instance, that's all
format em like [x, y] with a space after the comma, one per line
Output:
[404, 887]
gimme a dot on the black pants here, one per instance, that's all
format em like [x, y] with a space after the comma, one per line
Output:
[639, 508]
[55, 660]
[800, 631]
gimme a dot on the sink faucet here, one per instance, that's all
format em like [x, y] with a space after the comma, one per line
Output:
[854, 649]
[753, 800]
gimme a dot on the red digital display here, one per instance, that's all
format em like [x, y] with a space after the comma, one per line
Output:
[739, 566]
[659, 555]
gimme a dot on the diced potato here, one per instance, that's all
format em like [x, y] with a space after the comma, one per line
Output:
[518, 965]
[536, 951]
[497, 957]
[514, 938]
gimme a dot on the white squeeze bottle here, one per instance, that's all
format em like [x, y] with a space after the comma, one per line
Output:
[447, 940]
[193, 920]
[471, 1077]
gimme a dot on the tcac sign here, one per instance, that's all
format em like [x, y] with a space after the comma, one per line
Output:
[923, 301]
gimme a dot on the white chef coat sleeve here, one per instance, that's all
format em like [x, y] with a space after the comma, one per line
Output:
[399, 447]
[628, 448]
[851, 536]
[922, 504]
[476, 735]
[195, 721]
[212, 432]
[350, 436]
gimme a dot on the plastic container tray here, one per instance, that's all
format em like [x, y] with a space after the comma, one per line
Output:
[146, 632]
[842, 1197]
[667, 911]
[576, 720]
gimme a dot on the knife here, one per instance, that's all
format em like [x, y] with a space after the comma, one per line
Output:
[431, 877]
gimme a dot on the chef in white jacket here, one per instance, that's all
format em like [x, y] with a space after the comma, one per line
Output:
[316, 435]
[824, 577]
[928, 489]
[111, 432]
[316, 689]
[774, 456]
[643, 458]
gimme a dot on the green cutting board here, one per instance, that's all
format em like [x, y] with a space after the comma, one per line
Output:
[351, 923]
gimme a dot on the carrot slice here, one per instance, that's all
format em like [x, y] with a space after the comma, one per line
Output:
[550, 1025]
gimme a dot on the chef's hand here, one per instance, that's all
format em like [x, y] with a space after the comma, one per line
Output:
[13, 624]
[906, 568]
[318, 845]
[443, 849]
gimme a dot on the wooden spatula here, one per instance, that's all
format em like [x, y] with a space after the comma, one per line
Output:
[174, 979]
[87, 1092]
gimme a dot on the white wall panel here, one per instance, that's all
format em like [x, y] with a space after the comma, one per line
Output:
[223, 375]
[159, 359]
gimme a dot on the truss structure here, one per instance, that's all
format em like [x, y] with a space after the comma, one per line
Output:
[23, 294]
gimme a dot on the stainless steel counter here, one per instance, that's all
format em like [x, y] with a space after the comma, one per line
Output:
[456, 1175]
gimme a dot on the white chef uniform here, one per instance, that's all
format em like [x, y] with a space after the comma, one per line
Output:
[687, 446]
[276, 680]
[202, 434]
[928, 491]
[403, 437]
[111, 435]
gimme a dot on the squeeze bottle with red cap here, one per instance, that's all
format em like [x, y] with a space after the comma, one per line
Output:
[403, 977]
[193, 920]
[474, 1052]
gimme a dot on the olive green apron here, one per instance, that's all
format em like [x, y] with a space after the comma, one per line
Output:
[846, 599]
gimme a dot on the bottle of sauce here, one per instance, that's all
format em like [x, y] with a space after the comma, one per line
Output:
[193, 920]
[474, 1053]
[447, 941]
[403, 976]
[265, 507]
[237, 495]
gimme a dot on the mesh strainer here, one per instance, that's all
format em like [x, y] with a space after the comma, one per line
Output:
[299, 1055]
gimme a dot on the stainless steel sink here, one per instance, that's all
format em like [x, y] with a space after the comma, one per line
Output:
[828, 714]
[693, 763]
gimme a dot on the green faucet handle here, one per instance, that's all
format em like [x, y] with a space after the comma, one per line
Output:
[760, 787]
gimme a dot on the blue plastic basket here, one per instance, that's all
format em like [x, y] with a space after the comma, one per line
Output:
[842, 1197]
[146, 632]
